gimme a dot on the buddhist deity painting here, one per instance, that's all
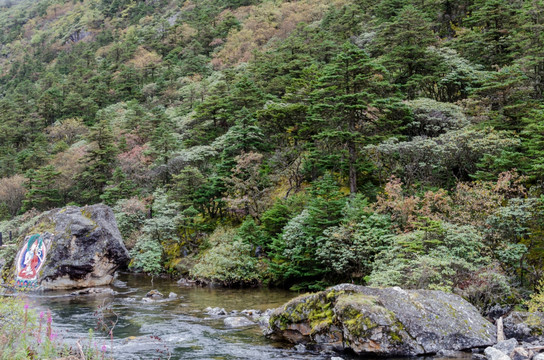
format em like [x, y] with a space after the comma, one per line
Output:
[30, 260]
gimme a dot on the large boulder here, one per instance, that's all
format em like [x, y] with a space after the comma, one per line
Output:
[388, 321]
[68, 248]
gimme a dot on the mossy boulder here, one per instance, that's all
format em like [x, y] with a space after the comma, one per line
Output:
[72, 247]
[388, 321]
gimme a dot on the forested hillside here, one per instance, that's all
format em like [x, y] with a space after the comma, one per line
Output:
[289, 143]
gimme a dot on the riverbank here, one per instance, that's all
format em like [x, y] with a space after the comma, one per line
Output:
[28, 333]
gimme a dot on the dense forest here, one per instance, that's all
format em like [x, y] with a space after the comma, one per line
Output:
[287, 143]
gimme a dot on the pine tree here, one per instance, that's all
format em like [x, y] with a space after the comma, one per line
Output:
[348, 106]
[403, 42]
[100, 161]
[42, 193]
[529, 45]
[489, 41]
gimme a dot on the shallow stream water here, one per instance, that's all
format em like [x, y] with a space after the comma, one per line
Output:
[179, 328]
[171, 328]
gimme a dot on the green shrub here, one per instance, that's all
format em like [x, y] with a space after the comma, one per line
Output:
[228, 261]
[441, 257]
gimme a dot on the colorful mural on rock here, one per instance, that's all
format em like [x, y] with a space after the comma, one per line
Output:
[31, 258]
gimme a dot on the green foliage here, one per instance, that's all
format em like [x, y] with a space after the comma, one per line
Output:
[228, 261]
[263, 115]
[441, 256]
[42, 193]
[27, 335]
[350, 249]
[99, 162]
[350, 100]
[159, 231]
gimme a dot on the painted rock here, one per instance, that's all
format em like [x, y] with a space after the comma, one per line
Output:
[71, 247]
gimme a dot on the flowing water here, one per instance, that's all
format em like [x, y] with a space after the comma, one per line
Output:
[171, 328]
[179, 328]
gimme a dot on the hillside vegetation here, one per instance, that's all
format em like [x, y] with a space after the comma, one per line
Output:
[289, 143]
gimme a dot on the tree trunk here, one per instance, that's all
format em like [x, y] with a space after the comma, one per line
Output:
[352, 169]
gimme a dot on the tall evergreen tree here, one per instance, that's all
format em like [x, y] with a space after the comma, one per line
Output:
[348, 105]
[42, 193]
[99, 163]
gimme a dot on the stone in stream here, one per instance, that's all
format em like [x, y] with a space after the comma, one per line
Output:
[72, 247]
[216, 311]
[154, 294]
[237, 321]
[94, 291]
[494, 354]
[388, 321]
[450, 354]
[253, 314]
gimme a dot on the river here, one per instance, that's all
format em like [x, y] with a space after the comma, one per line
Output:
[179, 328]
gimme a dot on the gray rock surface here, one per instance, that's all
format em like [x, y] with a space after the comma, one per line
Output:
[539, 356]
[94, 291]
[154, 294]
[520, 353]
[84, 247]
[388, 321]
[216, 311]
[524, 326]
[450, 354]
[187, 282]
[237, 321]
[506, 346]
[494, 354]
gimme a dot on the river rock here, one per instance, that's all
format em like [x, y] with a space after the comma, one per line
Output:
[524, 326]
[216, 311]
[237, 321]
[450, 354]
[253, 314]
[72, 247]
[388, 321]
[494, 354]
[520, 353]
[154, 294]
[187, 282]
[94, 291]
[539, 356]
[506, 346]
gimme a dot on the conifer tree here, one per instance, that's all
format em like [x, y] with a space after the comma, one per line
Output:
[99, 161]
[42, 193]
[348, 105]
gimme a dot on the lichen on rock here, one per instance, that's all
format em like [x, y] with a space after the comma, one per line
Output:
[388, 321]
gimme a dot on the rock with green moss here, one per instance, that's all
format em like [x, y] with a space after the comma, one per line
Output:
[72, 247]
[388, 321]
